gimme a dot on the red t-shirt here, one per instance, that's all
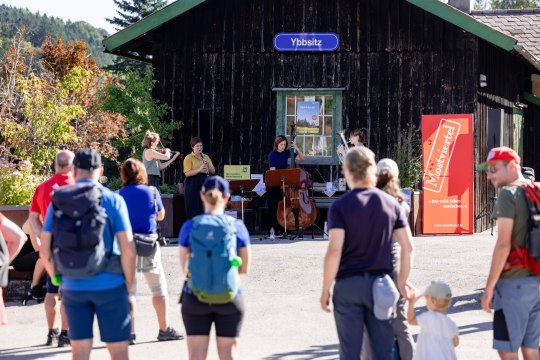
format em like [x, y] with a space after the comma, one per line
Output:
[42, 196]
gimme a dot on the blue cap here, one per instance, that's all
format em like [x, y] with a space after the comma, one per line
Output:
[216, 182]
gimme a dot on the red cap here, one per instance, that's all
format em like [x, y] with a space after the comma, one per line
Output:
[503, 153]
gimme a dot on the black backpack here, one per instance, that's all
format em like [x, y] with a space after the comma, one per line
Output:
[4, 262]
[77, 239]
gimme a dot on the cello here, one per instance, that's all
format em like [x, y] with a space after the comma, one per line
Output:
[296, 209]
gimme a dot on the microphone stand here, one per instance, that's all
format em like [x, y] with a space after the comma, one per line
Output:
[285, 235]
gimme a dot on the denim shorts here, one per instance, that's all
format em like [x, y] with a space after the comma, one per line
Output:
[516, 321]
[51, 289]
[110, 306]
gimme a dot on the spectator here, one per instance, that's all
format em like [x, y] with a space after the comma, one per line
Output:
[105, 294]
[362, 225]
[63, 175]
[13, 237]
[145, 207]
[198, 316]
[439, 335]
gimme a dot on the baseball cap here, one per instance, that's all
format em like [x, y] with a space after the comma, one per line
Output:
[87, 159]
[387, 164]
[503, 153]
[385, 297]
[216, 182]
[438, 290]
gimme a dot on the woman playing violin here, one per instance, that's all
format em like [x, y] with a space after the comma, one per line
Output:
[152, 157]
[197, 166]
[278, 159]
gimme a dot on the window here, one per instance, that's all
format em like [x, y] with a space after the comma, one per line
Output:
[317, 115]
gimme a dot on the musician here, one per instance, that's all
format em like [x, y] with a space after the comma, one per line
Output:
[357, 138]
[197, 166]
[152, 158]
[277, 159]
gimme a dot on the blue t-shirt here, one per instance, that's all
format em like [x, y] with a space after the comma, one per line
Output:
[140, 203]
[279, 159]
[116, 210]
[369, 216]
[242, 234]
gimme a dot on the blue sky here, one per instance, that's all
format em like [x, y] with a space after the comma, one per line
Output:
[93, 12]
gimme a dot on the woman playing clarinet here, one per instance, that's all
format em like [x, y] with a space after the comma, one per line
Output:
[197, 166]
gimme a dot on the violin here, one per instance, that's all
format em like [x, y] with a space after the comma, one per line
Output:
[297, 209]
[164, 151]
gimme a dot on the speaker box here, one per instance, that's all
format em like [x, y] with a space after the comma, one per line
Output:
[204, 129]
[495, 128]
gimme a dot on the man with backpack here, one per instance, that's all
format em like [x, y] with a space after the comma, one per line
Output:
[87, 244]
[63, 175]
[512, 287]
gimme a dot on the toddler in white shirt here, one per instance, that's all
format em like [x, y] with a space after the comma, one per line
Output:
[438, 333]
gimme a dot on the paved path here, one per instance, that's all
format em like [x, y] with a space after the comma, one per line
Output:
[283, 319]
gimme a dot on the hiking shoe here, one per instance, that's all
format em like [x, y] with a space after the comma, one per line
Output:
[169, 334]
[132, 339]
[63, 340]
[52, 336]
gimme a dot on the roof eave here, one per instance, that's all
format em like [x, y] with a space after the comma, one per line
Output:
[466, 22]
[528, 56]
[149, 23]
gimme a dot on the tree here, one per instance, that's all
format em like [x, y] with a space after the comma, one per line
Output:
[57, 106]
[480, 4]
[514, 4]
[132, 98]
[132, 11]
[129, 12]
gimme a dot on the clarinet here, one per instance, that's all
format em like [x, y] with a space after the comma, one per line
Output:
[206, 163]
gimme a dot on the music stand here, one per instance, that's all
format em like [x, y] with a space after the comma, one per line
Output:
[238, 186]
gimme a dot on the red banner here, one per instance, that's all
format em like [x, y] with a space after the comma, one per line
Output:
[448, 182]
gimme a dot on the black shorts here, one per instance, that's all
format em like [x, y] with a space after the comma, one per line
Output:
[26, 262]
[198, 317]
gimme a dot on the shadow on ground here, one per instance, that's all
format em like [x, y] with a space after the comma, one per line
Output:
[326, 352]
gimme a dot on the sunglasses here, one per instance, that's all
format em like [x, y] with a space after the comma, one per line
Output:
[492, 169]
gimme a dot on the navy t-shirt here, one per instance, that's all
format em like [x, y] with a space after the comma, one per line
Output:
[279, 159]
[140, 203]
[368, 216]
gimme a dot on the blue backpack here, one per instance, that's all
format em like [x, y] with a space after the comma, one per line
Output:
[212, 241]
[77, 239]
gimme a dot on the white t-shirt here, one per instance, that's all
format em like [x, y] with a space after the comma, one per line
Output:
[435, 340]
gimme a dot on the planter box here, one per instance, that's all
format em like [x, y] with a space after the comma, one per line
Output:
[16, 213]
[175, 215]
[415, 217]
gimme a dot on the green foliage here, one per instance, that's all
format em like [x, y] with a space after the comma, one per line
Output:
[131, 11]
[115, 184]
[168, 189]
[480, 4]
[40, 26]
[408, 156]
[133, 99]
[514, 4]
[17, 182]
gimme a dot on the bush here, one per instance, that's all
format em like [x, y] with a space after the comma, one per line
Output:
[17, 183]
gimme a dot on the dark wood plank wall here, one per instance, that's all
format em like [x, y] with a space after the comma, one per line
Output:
[395, 61]
[508, 76]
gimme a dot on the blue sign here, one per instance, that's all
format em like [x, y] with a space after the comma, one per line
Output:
[306, 41]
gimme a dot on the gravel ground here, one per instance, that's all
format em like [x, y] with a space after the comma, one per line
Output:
[283, 318]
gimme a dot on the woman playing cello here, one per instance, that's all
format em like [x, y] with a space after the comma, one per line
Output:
[277, 160]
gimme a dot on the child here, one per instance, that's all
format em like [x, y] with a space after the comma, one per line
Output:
[438, 333]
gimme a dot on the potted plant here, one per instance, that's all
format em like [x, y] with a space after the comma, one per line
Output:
[175, 211]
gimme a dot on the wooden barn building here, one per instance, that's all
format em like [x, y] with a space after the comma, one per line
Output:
[216, 65]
